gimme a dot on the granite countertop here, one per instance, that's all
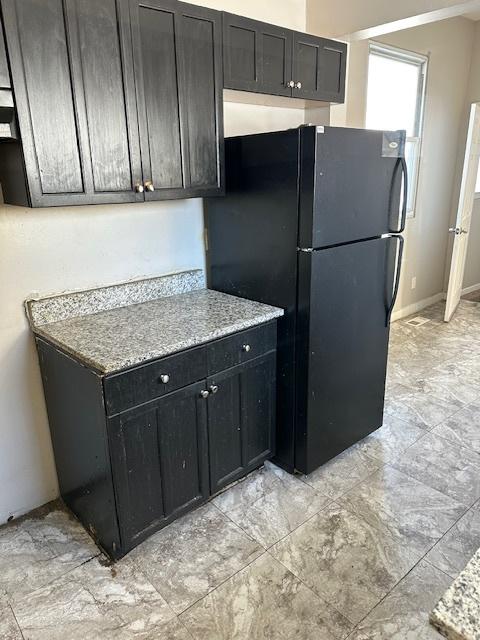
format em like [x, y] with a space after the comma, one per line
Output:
[118, 338]
[457, 614]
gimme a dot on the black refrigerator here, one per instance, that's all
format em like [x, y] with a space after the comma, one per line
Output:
[311, 222]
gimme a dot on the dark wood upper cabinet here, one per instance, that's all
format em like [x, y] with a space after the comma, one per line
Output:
[117, 101]
[73, 83]
[257, 56]
[177, 54]
[263, 58]
[319, 68]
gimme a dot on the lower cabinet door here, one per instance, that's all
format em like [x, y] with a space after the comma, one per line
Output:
[241, 419]
[160, 461]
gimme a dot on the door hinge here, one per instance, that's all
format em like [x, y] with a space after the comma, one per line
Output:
[306, 249]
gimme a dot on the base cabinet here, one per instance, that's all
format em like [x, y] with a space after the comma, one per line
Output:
[159, 461]
[137, 449]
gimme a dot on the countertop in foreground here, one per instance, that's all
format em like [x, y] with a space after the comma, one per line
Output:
[120, 338]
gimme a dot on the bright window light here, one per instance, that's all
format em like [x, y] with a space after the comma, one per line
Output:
[395, 100]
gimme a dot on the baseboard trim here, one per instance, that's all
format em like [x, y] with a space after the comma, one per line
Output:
[417, 306]
[471, 289]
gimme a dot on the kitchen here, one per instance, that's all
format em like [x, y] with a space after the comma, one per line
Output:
[96, 112]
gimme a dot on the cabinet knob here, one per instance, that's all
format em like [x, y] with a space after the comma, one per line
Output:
[290, 84]
[139, 188]
[149, 185]
[213, 388]
[204, 394]
[246, 348]
[164, 378]
[298, 85]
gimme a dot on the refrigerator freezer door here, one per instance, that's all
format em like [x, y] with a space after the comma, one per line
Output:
[350, 185]
[345, 294]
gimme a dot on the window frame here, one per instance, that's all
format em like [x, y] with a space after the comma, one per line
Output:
[421, 61]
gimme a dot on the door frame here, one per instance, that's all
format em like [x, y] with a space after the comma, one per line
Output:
[464, 213]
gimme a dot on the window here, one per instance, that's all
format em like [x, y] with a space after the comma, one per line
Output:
[395, 100]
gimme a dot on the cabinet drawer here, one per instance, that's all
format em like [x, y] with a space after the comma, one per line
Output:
[240, 347]
[153, 380]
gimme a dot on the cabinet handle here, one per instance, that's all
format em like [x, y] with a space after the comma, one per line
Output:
[214, 388]
[149, 185]
[204, 394]
[139, 188]
[164, 378]
[290, 84]
[298, 85]
[246, 348]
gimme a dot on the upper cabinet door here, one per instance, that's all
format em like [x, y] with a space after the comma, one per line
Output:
[154, 25]
[257, 56]
[201, 98]
[319, 67]
[177, 51]
[74, 102]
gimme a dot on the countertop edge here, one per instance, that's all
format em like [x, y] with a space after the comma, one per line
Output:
[120, 366]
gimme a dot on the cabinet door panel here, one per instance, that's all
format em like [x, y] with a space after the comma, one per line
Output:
[106, 105]
[257, 56]
[160, 461]
[137, 472]
[224, 431]
[202, 101]
[241, 59]
[258, 409]
[182, 447]
[72, 75]
[45, 100]
[241, 420]
[156, 72]
[319, 65]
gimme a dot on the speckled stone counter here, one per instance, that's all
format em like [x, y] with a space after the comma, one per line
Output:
[118, 338]
[457, 614]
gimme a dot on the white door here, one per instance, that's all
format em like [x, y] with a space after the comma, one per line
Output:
[464, 213]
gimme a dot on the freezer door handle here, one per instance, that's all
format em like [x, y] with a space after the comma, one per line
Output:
[401, 164]
[396, 284]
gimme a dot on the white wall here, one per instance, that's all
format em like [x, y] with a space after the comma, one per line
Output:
[286, 13]
[449, 45]
[50, 250]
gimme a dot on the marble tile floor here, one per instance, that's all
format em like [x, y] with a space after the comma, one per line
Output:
[362, 548]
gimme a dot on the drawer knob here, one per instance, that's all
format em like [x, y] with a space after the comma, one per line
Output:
[246, 348]
[149, 185]
[164, 378]
[204, 394]
[298, 85]
[214, 388]
[139, 188]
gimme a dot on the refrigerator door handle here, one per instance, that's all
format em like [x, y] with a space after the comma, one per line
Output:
[402, 164]
[397, 278]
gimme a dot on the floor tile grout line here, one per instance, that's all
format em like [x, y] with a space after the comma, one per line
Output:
[475, 504]
[265, 551]
[423, 558]
[16, 620]
[13, 601]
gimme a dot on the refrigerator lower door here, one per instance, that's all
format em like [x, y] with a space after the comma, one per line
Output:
[344, 298]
